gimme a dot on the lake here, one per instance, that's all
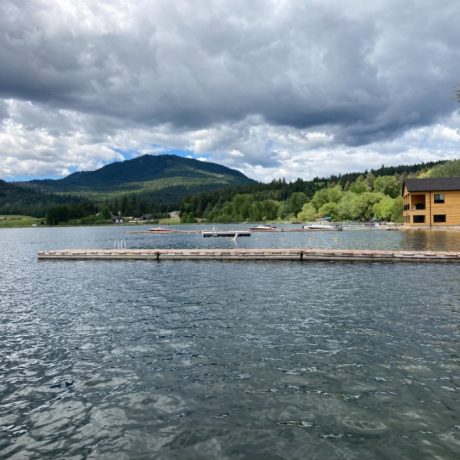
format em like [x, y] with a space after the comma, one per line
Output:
[237, 360]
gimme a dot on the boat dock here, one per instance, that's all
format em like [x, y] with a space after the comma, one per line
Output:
[224, 233]
[259, 229]
[302, 255]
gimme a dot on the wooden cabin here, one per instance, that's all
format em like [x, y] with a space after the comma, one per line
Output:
[431, 202]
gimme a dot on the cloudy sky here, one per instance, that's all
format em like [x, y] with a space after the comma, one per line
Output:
[274, 88]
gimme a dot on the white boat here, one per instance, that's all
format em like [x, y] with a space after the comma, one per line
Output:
[162, 230]
[263, 228]
[323, 227]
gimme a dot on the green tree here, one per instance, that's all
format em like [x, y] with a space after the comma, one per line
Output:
[270, 209]
[57, 214]
[329, 210]
[242, 206]
[295, 203]
[105, 213]
[370, 179]
[308, 213]
[345, 206]
[256, 211]
[360, 185]
[363, 205]
[448, 169]
[188, 218]
[389, 209]
[397, 209]
[124, 205]
[388, 185]
[327, 195]
[383, 208]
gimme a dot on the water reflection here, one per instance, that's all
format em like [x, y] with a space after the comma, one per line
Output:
[431, 240]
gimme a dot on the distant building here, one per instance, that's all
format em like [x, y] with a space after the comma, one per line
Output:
[118, 220]
[431, 202]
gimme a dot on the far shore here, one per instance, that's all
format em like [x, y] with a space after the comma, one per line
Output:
[28, 222]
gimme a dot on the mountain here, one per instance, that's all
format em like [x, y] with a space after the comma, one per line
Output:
[165, 178]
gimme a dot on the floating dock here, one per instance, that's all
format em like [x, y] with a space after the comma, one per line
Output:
[224, 233]
[302, 255]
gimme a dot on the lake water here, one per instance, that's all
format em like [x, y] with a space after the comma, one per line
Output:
[237, 360]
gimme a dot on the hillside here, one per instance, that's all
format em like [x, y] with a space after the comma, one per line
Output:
[163, 178]
[20, 200]
[449, 168]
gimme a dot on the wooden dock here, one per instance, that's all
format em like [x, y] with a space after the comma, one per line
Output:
[224, 233]
[303, 255]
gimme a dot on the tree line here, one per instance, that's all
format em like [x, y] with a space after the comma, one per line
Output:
[365, 198]
[90, 213]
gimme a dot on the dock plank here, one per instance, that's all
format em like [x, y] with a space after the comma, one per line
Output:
[306, 254]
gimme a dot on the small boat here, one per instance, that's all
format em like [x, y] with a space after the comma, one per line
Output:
[323, 227]
[263, 228]
[161, 230]
[225, 233]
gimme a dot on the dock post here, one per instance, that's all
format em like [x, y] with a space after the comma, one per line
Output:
[301, 256]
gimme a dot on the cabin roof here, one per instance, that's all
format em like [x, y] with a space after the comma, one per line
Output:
[432, 184]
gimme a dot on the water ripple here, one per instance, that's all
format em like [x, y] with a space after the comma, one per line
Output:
[226, 360]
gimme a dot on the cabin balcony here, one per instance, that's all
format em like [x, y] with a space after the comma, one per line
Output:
[418, 203]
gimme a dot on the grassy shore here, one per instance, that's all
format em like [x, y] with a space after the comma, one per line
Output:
[7, 221]
[18, 221]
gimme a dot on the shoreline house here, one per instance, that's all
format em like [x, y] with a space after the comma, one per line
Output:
[431, 202]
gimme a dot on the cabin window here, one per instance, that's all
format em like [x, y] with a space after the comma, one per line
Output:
[419, 219]
[439, 197]
[439, 218]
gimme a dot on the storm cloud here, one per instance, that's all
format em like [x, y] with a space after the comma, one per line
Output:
[273, 88]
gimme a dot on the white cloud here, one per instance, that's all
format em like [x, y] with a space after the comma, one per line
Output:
[273, 88]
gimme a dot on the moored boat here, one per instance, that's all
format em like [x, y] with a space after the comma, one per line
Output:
[263, 228]
[161, 230]
[323, 227]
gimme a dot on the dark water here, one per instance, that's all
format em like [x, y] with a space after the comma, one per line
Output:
[239, 360]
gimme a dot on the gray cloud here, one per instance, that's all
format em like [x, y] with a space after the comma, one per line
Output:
[359, 73]
[3, 110]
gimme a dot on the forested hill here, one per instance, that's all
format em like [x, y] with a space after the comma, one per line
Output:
[20, 200]
[144, 185]
[147, 174]
[351, 196]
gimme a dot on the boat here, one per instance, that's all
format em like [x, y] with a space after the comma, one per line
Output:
[161, 230]
[263, 228]
[225, 233]
[323, 227]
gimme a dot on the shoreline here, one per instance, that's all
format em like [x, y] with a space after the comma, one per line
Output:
[454, 228]
[347, 226]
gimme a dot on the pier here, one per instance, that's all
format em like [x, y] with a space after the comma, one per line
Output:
[224, 233]
[302, 255]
